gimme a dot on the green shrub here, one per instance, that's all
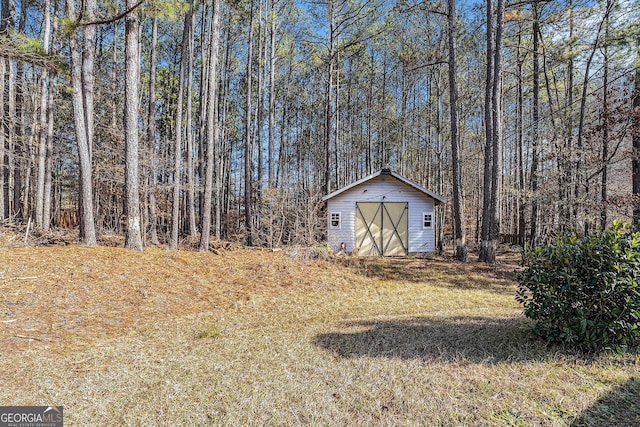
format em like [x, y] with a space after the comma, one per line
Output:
[584, 291]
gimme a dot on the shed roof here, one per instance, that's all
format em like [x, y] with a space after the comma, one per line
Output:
[438, 199]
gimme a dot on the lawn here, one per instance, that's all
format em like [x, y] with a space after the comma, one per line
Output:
[257, 338]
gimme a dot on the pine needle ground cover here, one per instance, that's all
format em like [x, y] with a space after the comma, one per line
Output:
[255, 338]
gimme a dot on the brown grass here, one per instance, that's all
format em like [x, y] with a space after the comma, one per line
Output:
[66, 297]
[255, 338]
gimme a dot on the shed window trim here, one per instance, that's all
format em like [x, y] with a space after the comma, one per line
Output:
[427, 220]
[335, 220]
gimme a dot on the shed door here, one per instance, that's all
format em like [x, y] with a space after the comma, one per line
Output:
[382, 229]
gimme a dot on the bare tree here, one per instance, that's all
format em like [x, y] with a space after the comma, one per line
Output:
[177, 156]
[581, 182]
[42, 129]
[190, 175]
[83, 135]
[151, 131]
[493, 131]
[48, 166]
[535, 126]
[605, 127]
[458, 205]
[522, 232]
[7, 24]
[20, 143]
[213, 130]
[272, 95]
[131, 112]
[496, 143]
[248, 144]
[488, 132]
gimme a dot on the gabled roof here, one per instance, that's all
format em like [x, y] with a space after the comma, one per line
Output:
[438, 199]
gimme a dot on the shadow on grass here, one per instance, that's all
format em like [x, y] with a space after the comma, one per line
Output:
[436, 272]
[620, 407]
[452, 339]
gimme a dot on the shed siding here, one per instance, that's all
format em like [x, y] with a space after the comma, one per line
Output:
[382, 188]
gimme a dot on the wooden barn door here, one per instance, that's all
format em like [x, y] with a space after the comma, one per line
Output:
[369, 228]
[382, 229]
[395, 229]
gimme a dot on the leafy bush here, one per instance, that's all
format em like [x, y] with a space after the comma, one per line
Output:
[584, 291]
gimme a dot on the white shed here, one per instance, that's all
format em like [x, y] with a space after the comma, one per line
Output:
[383, 214]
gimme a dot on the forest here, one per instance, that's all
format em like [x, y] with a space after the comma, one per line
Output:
[179, 122]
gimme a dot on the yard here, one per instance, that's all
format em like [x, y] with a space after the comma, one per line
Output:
[258, 338]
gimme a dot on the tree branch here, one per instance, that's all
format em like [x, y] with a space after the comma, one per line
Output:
[113, 19]
[423, 7]
[428, 64]
[524, 3]
[21, 48]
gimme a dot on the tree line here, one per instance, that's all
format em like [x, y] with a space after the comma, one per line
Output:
[170, 121]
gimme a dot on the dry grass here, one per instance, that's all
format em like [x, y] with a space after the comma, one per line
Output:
[255, 338]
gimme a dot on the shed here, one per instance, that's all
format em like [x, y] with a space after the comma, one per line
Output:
[383, 214]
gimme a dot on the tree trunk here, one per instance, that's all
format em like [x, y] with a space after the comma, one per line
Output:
[7, 24]
[133, 239]
[369, 156]
[151, 133]
[88, 65]
[496, 117]
[222, 151]
[272, 95]
[567, 173]
[42, 129]
[248, 146]
[439, 147]
[177, 153]
[403, 114]
[258, 126]
[88, 84]
[522, 232]
[605, 133]
[87, 226]
[191, 184]
[259, 114]
[458, 205]
[328, 120]
[20, 149]
[493, 131]
[114, 77]
[205, 28]
[336, 127]
[535, 128]
[488, 130]
[48, 166]
[212, 125]
[636, 140]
